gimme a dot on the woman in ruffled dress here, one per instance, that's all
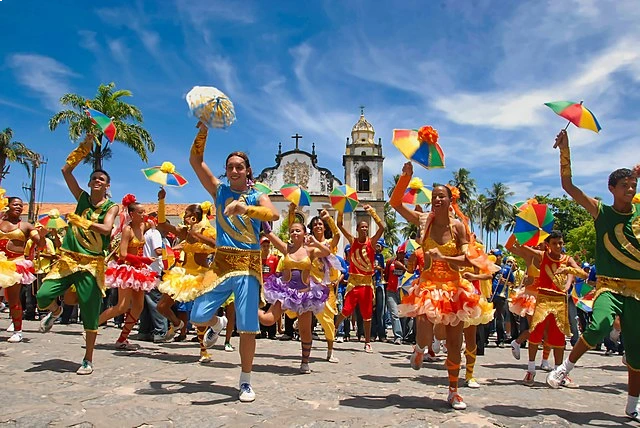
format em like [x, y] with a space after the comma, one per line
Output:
[130, 273]
[296, 290]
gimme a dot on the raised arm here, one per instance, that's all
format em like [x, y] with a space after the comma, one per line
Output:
[526, 253]
[196, 159]
[345, 232]
[587, 202]
[395, 201]
[374, 215]
[163, 226]
[333, 245]
[275, 240]
[74, 158]
[318, 249]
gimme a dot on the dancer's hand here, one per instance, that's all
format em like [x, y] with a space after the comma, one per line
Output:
[235, 208]
[162, 193]
[562, 140]
[324, 214]
[407, 168]
[435, 254]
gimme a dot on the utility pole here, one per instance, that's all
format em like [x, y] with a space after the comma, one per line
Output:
[35, 164]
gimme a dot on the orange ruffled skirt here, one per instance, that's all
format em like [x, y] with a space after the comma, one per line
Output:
[524, 302]
[447, 302]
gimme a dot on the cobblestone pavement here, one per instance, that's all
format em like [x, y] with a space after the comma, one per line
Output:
[164, 385]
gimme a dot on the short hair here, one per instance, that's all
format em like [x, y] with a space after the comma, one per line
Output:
[13, 198]
[101, 171]
[555, 234]
[446, 188]
[620, 174]
[196, 209]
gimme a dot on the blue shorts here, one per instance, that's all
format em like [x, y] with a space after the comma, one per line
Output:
[246, 289]
[184, 306]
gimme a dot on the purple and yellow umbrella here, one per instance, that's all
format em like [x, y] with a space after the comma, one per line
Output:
[296, 194]
[165, 175]
[575, 113]
[533, 224]
[344, 199]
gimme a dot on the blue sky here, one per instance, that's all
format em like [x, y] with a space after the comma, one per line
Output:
[478, 71]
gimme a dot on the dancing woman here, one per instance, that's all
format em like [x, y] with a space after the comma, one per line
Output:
[327, 272]
[440, 295]
[184, 283]
[297, 290]
[15, 270]
[130, 273]
[237, 264]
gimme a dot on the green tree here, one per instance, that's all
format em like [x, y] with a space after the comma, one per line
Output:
[408, 230]
[497, 209]
[465, 184]
[127, 119]
[392, 227]
[580, 242]
[567, 212]
[14, 151]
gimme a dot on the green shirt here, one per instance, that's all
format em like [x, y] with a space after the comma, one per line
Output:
[88, 242]
[618, 242]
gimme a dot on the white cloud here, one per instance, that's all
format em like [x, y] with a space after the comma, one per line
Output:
[119, 51]
[43, 75]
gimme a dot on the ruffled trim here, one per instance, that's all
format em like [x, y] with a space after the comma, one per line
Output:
[127, 276]
[26, 269]
[293, 300]
[181, 285]
[523, 303]
[8, 274]
[446, 303]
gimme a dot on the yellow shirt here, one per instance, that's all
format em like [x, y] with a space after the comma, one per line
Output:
[42, 264]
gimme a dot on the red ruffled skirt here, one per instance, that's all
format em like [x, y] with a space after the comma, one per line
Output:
[122, 275]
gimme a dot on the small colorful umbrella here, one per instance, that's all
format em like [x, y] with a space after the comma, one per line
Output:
[211, 106]
[344, 198]
[104, 122]
[582, 295]
[406, 281]
[409, 247]
[296, 194]
[575, 113]
[522, 205]
[262, 188]
[416, 193]
[420, 145]
[533, 224]
[52, 220]
[165, 175]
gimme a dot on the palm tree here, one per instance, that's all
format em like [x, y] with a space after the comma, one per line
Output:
[408, 230]
[13, 151]
[392, 227]
[497, 208]
[465, 184]
[392, 184]
[108, 101]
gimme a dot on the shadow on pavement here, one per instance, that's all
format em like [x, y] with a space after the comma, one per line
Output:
[394, 400]
[281, 370]
[173, 387]
[381, 379]
[580, 418]
[175, 358]
[55, 365]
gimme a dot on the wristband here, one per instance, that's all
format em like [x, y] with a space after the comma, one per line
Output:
[78, 221]
[197, 148]
[162, 216]
[80, 152]
[259, 213]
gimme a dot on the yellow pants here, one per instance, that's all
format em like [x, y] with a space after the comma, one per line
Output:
[326, 317]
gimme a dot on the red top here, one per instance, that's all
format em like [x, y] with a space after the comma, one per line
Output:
[361, 257]
[392, 272]
[269, 265]
[549, 282]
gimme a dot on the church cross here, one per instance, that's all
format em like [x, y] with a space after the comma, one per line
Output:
[296, 137]
[362, 110]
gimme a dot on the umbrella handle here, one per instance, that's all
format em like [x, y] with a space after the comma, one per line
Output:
[565, 128]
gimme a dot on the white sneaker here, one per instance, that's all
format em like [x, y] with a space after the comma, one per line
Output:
[545, 366]
[205, 358]
[515, 349]
[339, 339]
[15, 337]
[614, 335]
[10, 329]
[556, 377]
[228, 347]
[47, 322]
[435, 347]
[472, 383]
[86, 368]
[455, 401]
[172, 331]
[127, 346]
[246, 393]
[304, 368]
[213, 333]
[443, 347]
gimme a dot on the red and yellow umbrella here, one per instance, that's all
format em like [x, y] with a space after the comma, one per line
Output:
[296, 194]
[575, 113]
[533, 224]
[416, 193]
[52, 220]
[344, 198]
[165, 175]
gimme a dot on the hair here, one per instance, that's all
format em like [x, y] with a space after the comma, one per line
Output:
[196, 209]
[620, 174]
[130, 203]
[101, 171]
[445, 187]
[555, 234]
[13, 198]
[304, 229]
[327, 232]
[245, 158]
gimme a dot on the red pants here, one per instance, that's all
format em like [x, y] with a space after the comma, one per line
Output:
[555, 338]
[362, 295]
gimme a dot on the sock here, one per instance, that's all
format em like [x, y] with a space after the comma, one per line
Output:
[568, 365]
[129, 322]
[16, 317]
[419, 349]
[632, 404]
[245, 378]
[471, 362]
[531, 366]
[200, 333]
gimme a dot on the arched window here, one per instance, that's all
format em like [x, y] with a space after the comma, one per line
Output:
[363, 153]
[363, 180]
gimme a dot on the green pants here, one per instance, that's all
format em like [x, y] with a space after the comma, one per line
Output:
[605, 309]
[89, 295]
